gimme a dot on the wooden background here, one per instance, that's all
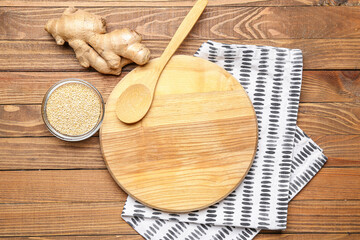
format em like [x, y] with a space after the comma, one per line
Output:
[53, 189]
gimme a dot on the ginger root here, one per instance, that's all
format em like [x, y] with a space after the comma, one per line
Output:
[86, 34]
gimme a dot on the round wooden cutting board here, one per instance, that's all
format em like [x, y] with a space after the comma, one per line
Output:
[194, 146]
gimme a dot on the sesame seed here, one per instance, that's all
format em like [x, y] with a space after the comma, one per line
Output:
[73, 109]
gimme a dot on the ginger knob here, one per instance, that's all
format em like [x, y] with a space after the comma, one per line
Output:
[86, 34]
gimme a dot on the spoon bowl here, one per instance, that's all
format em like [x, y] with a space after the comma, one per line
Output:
[135, 101]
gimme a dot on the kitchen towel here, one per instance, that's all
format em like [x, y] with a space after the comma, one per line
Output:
[286, 159]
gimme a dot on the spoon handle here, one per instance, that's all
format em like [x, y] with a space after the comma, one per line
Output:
[183, 30]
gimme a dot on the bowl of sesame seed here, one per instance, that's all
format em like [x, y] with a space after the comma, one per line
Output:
[73, 109]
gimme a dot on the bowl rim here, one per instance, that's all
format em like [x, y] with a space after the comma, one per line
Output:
[65, 137]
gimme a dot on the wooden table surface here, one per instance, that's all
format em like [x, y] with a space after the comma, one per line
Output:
[53, 189]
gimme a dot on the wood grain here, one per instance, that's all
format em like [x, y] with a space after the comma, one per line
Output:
[318, 53]
[323, 216]
[183, 170]
[260, 236]
[319, 236]
[104, 218]
[49, 153]
[103, 237]
[343, 150]
[30, 87]
[34, 219]
[38, 153]
[329, 118]
[49, 186]
[187, 3]
[239, 23]
[21, 120]
[330, 86]
[331, 184]
[314, 118]
[59, 186]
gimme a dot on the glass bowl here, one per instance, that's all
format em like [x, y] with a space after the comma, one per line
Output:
[72, 138]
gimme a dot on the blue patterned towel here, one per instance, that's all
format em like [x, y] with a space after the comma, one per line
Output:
[285, 161]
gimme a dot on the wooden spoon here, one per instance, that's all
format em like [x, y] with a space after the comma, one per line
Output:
[135, 101]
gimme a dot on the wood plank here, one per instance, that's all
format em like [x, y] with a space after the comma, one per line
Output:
[239, 23]
[342, 150]
[21, 120]
[102, 237]
[59, 186]
[49, 153]
[329, 118]
[306, 236]
[330, 86]
[52, 153]
[104, 218]
[333, 184]
[98, 186]
[62, 219]
[260, 236]
[47, 56]
[323, 216]
[30, 87]
[314, 118]
[177, 3]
